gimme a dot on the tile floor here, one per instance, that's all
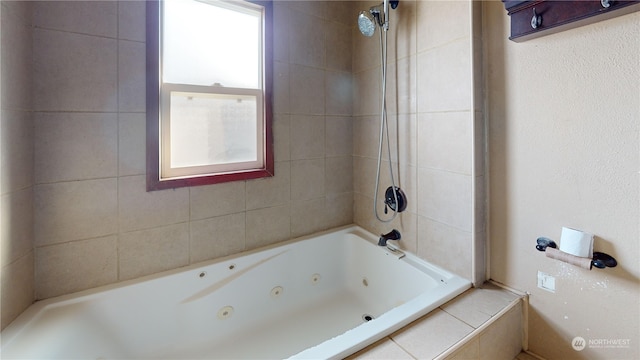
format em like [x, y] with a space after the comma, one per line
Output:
[481, 323]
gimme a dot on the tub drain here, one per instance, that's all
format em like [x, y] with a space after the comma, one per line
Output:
[225, 312]
[367, 317]
[315, 278]
[276, 291]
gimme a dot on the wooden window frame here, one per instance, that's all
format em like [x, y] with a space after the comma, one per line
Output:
[153, 109]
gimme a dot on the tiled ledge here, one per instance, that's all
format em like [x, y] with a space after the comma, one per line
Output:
[482, 323]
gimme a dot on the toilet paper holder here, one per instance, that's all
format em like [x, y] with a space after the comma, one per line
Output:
[600, 260]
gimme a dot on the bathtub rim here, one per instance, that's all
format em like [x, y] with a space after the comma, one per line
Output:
[37, 309]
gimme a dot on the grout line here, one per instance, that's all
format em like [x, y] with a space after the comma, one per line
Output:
[477, 332]
[118, 278]
[401, 347]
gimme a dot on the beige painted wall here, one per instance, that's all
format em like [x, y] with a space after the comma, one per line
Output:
[437, 122]
[16, 168]
[564, 116]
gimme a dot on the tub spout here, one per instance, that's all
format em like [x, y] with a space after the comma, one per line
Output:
[392, 235]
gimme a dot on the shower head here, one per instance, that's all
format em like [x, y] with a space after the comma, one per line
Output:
[366, 23]
[378, 14]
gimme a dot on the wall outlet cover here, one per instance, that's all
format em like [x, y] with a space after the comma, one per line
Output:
[546, 282]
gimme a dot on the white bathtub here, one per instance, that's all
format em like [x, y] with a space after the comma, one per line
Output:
[304, 299]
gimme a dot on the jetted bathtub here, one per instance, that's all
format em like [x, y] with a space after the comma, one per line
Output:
[325, 296]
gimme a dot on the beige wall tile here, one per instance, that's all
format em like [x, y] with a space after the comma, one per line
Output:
[16, 159]
[16, 225]
[268, 226]
[401, 86]
[86, 17]
[503, 340]
[445, 197]
[338, 44]
[307, 137]
[21, 9]
[339, 209]
[480, 194]
[75, 146]
[150, 251]
[442, 330]
[363, 212]
[281, 137]
[367, 92]
[215, 200]
[75, 210]
[480, 143]
[131, 20]
[470, 351]
[74, 266]
[445, 141]
[307, 90]
[338, 175]
[131, 76]
[406, 147]
[308, 216]
[306, 41]
[281, 93]
[384, 349]
[478, 305]
[402, 30]
[16, 47]
[338, 93]
[267, 192]
[339, 136]
[366, 138]
[307, 179]
[441, 22]
[131, 144]
[281, 30]
[406, 177]
[16, 288]
[364, 175]
[139, 209]
[216, 237]
[75, 72]
[316, 8]
[342, 12]
[366, 50]
[445, 246]
[444, 82]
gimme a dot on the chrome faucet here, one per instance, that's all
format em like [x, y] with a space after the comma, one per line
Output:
[392, 235]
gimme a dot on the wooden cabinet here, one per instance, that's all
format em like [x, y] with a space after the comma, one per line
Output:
[532, 19]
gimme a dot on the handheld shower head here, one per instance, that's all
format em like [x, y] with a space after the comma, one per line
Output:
[366, 23]
[378, 14]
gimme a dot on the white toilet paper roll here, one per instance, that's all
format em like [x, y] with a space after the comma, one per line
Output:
[576, 242]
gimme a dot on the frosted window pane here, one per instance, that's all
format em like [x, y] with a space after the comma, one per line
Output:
[206, 44]
[212, 129]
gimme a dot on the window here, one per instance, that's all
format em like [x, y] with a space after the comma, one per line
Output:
[208, 90]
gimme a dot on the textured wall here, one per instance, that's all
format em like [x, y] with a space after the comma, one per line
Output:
[16, 174]
[94, 222]
[564, 116]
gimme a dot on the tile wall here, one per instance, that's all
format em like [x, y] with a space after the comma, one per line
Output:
[16, 164]
[435, 111]
[93, 222]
